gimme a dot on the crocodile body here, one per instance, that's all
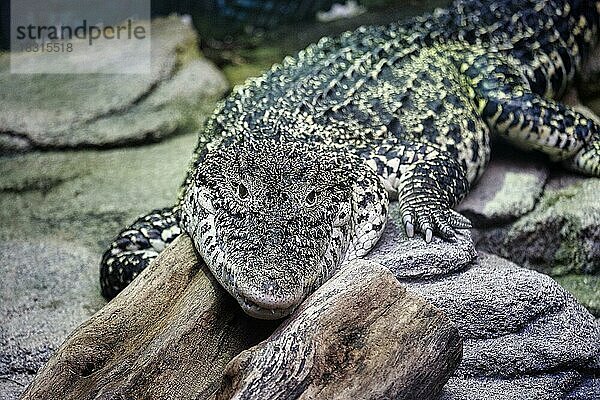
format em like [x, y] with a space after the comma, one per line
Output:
[293, 173]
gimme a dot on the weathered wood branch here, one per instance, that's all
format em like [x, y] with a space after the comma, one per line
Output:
[172, 332]
[168, 335]
[360, 336]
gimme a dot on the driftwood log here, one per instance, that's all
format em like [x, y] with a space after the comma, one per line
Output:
[174, 333]
[360, 336]
[168, 335]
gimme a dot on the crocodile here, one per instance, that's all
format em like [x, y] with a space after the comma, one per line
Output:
[293, 173]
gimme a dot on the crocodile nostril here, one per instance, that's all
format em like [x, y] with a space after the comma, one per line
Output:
[274, 198]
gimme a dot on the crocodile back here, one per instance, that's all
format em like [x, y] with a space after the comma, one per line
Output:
[551, 38]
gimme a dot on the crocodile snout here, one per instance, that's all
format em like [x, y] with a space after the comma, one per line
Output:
[268, 299]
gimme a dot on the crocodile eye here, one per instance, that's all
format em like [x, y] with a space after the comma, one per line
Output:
[311, 198]
[241, 191]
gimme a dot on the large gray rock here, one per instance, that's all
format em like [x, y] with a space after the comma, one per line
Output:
[524, 336]
[509, 188]
[549, 222]
[88, 196]
[103, 110]
[560, 236]
[538, 387]
[59, 210]
[47, 289]
[588, 389]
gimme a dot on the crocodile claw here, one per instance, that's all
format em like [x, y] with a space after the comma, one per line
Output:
[408, 225]
[433, 220]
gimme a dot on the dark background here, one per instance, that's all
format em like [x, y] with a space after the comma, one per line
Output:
[218, 18]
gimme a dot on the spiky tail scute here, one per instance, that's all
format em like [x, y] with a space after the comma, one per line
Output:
[135, 247]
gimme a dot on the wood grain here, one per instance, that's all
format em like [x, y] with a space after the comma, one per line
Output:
[360, 336]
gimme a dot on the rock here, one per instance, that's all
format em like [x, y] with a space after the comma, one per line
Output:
[361, 335]
[561, 235]
[46, 290]
[588, 389]
[585, 288]
[523, 334]
[59, 211]
[180, 104]
[87, 196]
[413, 258]
[549, 222]
[43, 111]
[538, 387]
[509, 188]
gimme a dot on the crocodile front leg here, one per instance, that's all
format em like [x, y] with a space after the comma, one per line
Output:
[428, 183]
[428, 190]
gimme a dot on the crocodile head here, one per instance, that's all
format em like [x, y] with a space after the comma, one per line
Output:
[274, 220]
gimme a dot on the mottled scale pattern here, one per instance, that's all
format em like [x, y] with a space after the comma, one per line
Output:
[135, 247]
[294, 171]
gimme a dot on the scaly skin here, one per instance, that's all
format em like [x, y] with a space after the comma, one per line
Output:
[292, 175]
